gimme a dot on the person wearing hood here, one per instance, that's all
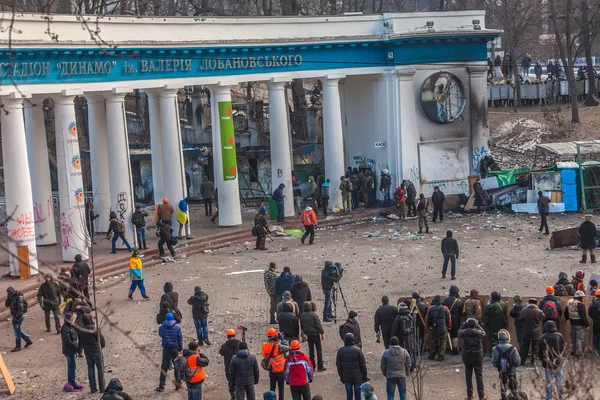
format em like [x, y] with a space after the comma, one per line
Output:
[422, 210]
[117, 228]
[346, 189]
[284, 282]
[472, 307]
[78, 307]
[136, 274]
[400, 200]
[164, 212]
[587, 239]
[551, 350]
[411, 196]
[243, 373]
[577, 281]
[278, 197]
[418, 308]
[196, 362]
[309, 220]
[274, 351]
[355, 184]
[48, 296]
[437, 199]
[370, 184]
[327, 282]
[385, 183]
[183, 218]
[439, 322]
[325, 196]
[70, 345]
[262, 228]
[518, 306]
[138, 219]
[593, 287]
[450, 253]
[270, 395]
[472, 335]
[396, 365]
[532, 319]
[289, 324]
[170, 296]
[313, 329]
[164, 232]
[64, 283]
[575, 313]
[479, 194]
[88, 340]
[165, 308]
[300, 293]
[199, 303]
[298, 372]
[404, 329]
[506, 359]
[269, 279]
[15, 301]
[114, 389]
[351, 367]
[495, 311]
[172, 345]
[228, 350]
[550, 306]
[455, 305]
[594, 314]
[351, 326]
[384, 319]
[287, 299]
[563, 287]
[368, 391]
[80, 272]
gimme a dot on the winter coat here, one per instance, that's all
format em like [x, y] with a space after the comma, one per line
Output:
[395, 363]
[346, 187]
[532, 319]
[355, 181]
[269, 279]
[81, 271]
[423, 207]
[578, 284]
[260, 222]
[472, 343]
[578, 317]
[207, 190]
[49, 295]
[78, 314]
[138, 218]
[351, 364]
[69, 338]
[243, 369]
[505, 346]
[283, 283]
[88, 337]
[114, 388]
[170, 296]
[543, 203]
[563, 288]
[325, 190]
[298, 369]
[551, 347]
[327, 281]
[450, 247]
[411, 192]
[594, 314]
[455, 305]
[399, 196]
[165, 212]
[472, 309]
[309, 218]
[228, 350]
[170, 332]
[310, 322]
[438, 319]
[287, 299]
[550, 298]
[278, 193]
[438, 198]
[420, 313]
[516, 312]
[136, 273]
[385, 319]
[352, 326]
[300, 294]
[404, 328]
[288, 324]
[165, 232]
[197, 302]
[162, 315]
[496, 315]
[587, 235]
[385, 181]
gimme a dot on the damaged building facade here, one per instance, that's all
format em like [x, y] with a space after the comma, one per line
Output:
[403, 92]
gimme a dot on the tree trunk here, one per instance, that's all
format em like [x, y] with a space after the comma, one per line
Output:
[442, 3]
[590, 99]
[267, 6]
[333, 7]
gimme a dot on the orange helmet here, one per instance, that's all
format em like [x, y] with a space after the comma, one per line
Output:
[549, 290]
[272, 332]
[165, 200]
[295, 345]
[230, 332]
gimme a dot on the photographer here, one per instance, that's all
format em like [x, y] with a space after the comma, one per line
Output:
[330, 275]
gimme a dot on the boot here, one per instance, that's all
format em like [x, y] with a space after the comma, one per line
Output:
[593, 257]
[583, 259]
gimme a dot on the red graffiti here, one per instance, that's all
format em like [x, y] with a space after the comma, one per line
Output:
[25, 219]
[21, 233]
[39, 213]
[65, 230]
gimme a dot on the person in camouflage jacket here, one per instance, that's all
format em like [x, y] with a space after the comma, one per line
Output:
[269, 278]
[563, 287]
[262, 228]
[472, 307]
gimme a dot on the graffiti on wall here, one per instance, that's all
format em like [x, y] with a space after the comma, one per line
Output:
[121, 205]
[415, 175]
[447, 185]
[24, 229]
[66, 230]
[478, 154]
[358, 160]
[41, 212]
[371, 163]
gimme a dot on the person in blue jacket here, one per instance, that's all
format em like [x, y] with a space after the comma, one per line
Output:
[284, 282]
[172, 344]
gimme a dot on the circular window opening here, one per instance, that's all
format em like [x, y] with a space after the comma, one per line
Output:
[443, 97]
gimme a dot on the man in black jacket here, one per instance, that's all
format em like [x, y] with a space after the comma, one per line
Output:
[450, 252]
[518, 306]
[328, 280]
[472, 335]
[456, 309]
[70, 344]
[404, 329]
[165, 235]
[313, 329]
[550, 352]
[419, 309]
[384, 320]
[288, 323]
[199, 303]
[48, 297]
[438, 198]
[543, 204]
[411, 196]
[351, 367]
[351, 326]
[228, 350]
[17, 305]
[88, 340]
[243, 372]
[300, 292]
[587, 239]
[532, 318]
[80, 272]
[439, 321]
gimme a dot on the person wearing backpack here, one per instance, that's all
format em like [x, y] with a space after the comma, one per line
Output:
[351, 326]
[575, 313]
[273, 353]
[495, 311]
[518, 306]
[117, 228]
[346, 189]
[190, 369]
[199, 303]
[405, 328]
[172, 345]
[439, 322]
[18, 308]
[532, 319]
[298, 372]
[506, 359]
[243, 373]
[472, 335]
[551, 307]
[551, 353]
[139, 221]
[563, 287]
[227, 351]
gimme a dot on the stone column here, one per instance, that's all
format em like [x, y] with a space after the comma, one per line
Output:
[333, 138]
[388, 120]
[39, 167]
[281, 162]
[409, 158]
[156, 145]
[74, 236]
[174, 185]
[224, 157]
[99, 160]
[121, 188]
[480, 136]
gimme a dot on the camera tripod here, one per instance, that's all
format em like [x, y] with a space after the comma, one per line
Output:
[334, 297]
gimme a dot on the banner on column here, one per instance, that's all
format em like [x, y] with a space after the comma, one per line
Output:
[73, 160]
[228, 153]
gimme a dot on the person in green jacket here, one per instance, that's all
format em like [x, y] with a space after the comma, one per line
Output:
[49, 298]
[495, 311]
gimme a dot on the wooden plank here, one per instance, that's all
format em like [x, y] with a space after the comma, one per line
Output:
[23, 255]
[7, 378]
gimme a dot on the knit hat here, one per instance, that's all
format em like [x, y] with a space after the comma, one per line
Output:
[243, 346]
[533, 300]
[352, 314]
[169, 317]
[516, 298]
[394, 341]
[562, 275]
[269, 395]
[593, 283]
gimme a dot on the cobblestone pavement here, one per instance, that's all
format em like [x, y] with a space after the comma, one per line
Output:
[497, 253]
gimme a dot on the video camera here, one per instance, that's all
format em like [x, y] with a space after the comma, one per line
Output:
[335, 270]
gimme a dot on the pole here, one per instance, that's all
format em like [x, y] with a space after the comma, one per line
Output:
[583, 202]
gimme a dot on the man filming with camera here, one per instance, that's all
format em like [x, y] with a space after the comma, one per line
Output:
[330, 275]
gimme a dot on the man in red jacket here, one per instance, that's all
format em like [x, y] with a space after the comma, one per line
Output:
[298, 372]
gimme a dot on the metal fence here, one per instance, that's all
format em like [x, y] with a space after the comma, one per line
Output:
[543, 91]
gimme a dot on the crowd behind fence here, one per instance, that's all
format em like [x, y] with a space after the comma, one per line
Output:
[535, 94]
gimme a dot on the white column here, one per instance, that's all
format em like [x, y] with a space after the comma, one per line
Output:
[156, 145]
[173, 171]
[19, 204]
[480, 136]
[39, 167]
[387, 107]
[333, 138]
[74, 236]
[281, 162]
[121, 188]
[408, 130]
[99, 160]
[226, 177]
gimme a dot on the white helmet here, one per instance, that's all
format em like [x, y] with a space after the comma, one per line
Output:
[385, 171]
[308, 208]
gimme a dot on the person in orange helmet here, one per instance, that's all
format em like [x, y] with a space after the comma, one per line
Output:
[275, 351]
[298, 372]
[228, 350]
[551, 307]
[309, 219]
[165, 212]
